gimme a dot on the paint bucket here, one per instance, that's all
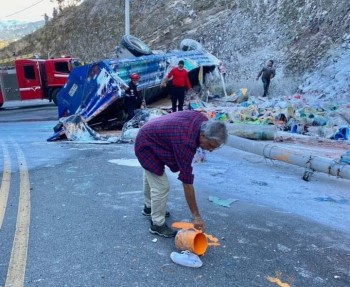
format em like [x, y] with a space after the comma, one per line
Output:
[192, 240]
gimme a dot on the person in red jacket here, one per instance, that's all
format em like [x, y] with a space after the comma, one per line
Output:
[181, 83]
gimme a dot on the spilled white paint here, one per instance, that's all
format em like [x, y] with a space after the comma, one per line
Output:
[103, 194]
[126, 162]
[324, 199]
[130, 192]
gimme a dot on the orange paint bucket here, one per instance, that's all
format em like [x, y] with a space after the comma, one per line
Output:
[192, 240]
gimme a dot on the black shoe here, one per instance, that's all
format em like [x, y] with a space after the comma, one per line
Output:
[163, 230]
[147, 212]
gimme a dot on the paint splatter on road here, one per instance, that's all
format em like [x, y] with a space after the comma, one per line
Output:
[277, 281]
[127, 162]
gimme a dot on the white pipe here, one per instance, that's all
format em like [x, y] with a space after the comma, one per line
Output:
[308, 161]
[127, 17]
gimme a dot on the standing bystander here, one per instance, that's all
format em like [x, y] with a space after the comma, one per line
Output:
[222, 70]
[267, 73]
[181, 82]
[132, 98]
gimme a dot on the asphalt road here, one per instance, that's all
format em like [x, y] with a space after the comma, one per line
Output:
[82, 204]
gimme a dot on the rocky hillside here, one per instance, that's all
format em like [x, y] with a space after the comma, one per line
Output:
[307, 39]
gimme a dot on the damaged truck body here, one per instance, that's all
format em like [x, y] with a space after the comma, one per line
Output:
[94, 92]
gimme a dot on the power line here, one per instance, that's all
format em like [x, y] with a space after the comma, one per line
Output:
[24, 9]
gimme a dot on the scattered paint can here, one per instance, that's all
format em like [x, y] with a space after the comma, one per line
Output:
[192, 240]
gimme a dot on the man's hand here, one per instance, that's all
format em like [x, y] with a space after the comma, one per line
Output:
[199, 224]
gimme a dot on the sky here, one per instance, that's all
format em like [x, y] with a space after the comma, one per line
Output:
[25, 10]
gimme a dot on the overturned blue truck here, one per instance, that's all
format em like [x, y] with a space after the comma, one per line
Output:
[94, 94]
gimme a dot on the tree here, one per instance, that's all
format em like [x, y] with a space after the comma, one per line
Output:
[62, 4]
[46, 18]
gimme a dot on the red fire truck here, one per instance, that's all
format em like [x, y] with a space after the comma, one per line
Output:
[33, 79]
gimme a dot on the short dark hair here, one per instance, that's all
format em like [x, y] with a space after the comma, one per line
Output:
[271, 61]
[215, 130]
[181, 62]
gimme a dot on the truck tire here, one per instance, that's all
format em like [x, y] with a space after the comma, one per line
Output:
[190, 45]
[135, 46]
[54, 96]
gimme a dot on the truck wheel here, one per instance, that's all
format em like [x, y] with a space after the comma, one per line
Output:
[54, 96]
[135, 46]
[190, 45]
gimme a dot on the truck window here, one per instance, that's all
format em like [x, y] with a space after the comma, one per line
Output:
[62, 67]
[29, 72]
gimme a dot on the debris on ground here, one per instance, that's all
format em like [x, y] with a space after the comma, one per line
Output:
[222, 202]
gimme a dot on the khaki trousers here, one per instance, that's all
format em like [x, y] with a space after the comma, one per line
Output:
[156, 191]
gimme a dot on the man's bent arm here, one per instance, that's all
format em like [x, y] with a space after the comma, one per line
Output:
[273, 73]
[258, 76]
[192, 204]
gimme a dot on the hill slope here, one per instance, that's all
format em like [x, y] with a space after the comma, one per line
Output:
[304, 37]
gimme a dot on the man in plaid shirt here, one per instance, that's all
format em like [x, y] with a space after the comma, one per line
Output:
[172, 141]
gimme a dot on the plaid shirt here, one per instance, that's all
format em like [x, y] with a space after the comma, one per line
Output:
[172, 141]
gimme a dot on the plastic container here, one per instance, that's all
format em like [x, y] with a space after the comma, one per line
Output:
[192, 240]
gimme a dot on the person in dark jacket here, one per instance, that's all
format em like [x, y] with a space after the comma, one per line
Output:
[132, 98]
[181, 82]
[267, 73]
[172, 140]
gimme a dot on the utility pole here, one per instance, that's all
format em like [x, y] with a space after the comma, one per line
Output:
[127, 17]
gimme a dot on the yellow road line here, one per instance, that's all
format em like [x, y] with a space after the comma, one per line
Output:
[5, 183]
[18, 260]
